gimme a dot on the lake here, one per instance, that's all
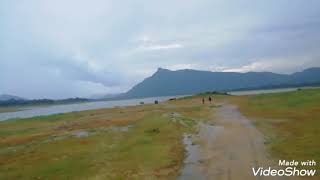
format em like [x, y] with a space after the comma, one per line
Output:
[264, 91]
[65, 108]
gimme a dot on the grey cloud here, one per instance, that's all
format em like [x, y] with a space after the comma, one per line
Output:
[77, 48]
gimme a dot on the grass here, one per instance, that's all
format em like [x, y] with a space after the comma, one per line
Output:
[290, 122]
[142, 142]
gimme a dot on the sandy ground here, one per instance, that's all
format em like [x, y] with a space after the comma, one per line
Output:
[231, 146]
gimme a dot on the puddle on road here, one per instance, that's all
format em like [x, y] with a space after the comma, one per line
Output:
[81, 134]
[192, 163]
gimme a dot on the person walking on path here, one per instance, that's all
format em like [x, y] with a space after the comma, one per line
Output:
[210, 99]
[202, 100]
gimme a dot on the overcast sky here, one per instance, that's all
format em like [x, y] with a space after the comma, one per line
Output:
[69, 48]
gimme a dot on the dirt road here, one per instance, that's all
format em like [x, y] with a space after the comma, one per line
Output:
[230, 146]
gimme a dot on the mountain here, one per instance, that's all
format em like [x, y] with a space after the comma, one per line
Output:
[165, 82]
[6, 97]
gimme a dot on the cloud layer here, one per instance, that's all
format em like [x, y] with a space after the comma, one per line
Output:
[60, 49]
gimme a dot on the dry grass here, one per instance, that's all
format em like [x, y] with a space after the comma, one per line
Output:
[149, 146]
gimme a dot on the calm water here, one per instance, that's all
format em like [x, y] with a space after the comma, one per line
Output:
[57, 109]
[264, 91]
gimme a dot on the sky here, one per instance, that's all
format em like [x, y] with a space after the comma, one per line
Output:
[78, 48]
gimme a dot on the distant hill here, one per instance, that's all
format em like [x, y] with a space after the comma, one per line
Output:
[165, 82]
[20, 101]
[6, 97]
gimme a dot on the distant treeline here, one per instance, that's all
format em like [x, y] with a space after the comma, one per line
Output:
[213, 93]
[15, 102]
